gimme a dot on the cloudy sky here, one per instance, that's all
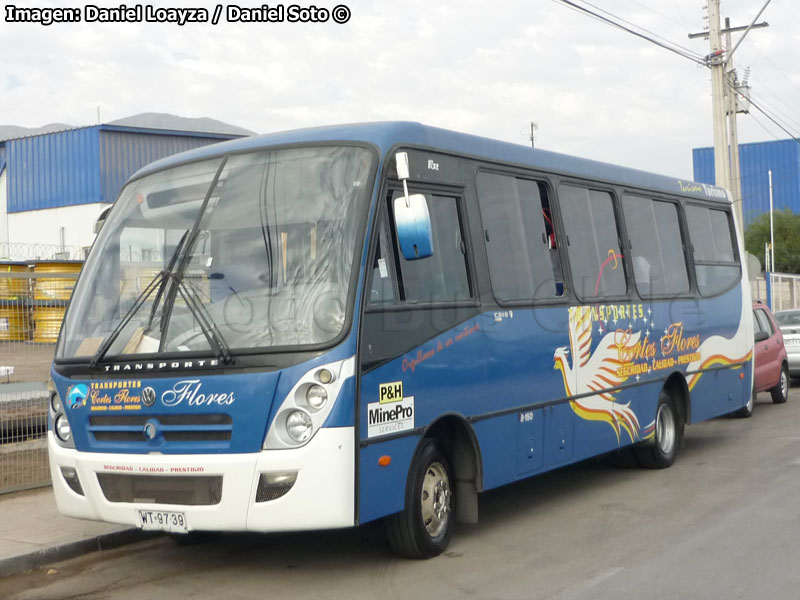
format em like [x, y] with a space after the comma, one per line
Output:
[488, 68]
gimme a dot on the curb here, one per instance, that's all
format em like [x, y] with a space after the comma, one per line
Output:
[57, 553]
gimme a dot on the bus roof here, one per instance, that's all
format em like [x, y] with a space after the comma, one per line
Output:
[386, 135]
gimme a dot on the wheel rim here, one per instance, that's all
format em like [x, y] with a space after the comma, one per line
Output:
[435, 499]
[665, 429]
[784, 384]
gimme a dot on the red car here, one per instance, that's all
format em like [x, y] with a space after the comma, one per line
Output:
[771, 364]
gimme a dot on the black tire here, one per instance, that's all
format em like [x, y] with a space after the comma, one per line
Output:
[424, 527]
[661, 450]
[747, 410]
[780, 393]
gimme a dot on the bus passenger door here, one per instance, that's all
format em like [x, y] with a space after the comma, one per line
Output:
[422, 351]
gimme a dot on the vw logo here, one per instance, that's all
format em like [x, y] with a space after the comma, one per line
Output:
[148, 396]
[150, 430]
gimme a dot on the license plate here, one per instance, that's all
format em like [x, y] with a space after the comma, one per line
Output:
[794, 342]
[162, 520]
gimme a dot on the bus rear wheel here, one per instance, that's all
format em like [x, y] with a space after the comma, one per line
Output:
[661, 451]
[424, 527]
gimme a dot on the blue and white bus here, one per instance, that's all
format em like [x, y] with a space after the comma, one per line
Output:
[325, 327]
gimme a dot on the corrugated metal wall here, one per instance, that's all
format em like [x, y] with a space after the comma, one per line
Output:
[86, 165]
[56, 169]
[782, 157]
[124, 153]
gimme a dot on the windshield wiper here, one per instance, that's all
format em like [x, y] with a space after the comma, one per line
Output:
[137, 303]
[207, 324]
[170, 267]
[159, 280]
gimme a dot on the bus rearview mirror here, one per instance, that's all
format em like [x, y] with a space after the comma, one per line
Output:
[401, 162]
[413, 223]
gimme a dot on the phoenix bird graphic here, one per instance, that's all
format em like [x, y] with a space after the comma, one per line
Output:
[591, 372]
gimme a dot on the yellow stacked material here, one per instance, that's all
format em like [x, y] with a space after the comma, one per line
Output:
[55, 288]
[16, 288]
[135, 278]
[48, 323]
[15, 324]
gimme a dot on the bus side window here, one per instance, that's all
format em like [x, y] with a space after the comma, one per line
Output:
[441, 277]
[715, 259]
[520, 239]
[382, 285]
[593, 242]
[659, 265]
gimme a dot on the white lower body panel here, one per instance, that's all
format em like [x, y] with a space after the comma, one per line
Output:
[321, 498]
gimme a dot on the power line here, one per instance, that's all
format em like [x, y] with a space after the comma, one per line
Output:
[672, 47]
[663, 16]
[788, 119]
[680, 51]
[655, 35]
[764, 112]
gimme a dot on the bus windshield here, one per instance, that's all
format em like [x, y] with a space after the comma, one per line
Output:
[251, 251]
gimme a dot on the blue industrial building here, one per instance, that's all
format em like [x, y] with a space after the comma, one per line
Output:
[53, 185]
[782, 157]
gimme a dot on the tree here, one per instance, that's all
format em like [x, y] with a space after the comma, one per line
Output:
[787, 239]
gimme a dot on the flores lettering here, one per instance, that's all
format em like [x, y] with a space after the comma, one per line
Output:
[189, 391]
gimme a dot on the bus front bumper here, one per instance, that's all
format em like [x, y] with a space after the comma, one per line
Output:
[219, 492]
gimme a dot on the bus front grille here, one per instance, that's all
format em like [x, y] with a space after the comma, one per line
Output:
[156, 489]
[171, 428]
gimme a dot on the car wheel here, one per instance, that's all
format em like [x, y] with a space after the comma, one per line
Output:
[424, 527]
[661, 450]
[747, 410]
[780, 393]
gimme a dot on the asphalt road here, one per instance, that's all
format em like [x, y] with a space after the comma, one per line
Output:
[723, 522]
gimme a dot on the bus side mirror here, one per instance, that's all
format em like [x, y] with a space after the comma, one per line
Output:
[411, 217]
[413, 223]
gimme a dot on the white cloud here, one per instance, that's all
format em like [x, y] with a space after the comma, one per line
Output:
[484, 68]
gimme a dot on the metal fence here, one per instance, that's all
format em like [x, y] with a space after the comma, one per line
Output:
[33, 298]
[780, 293]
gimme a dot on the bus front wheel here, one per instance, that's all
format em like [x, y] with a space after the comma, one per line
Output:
[424, 527]
[660, 452]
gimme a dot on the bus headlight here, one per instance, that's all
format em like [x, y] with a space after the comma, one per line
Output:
[307, 405]
[62, 428]
[55, 403]
[299, 426]
[57, 420]
[325, 376]
[316, 396]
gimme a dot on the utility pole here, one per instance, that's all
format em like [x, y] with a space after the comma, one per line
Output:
[733, 130]
[727, 172]
[534, 127]
[716, 61]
